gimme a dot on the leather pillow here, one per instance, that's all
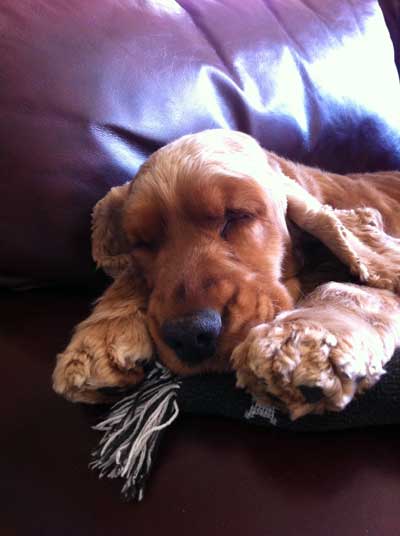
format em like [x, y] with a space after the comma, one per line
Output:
[89, 89]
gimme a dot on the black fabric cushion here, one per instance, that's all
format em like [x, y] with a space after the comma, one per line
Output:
[217, 395]
[133, 428]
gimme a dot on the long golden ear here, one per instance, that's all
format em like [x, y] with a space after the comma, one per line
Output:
[110, 246]
[356, 237]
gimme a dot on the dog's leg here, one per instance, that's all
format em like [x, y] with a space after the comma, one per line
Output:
[108, 349]
[320, 355]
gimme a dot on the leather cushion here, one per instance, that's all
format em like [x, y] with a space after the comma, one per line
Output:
[89, 89]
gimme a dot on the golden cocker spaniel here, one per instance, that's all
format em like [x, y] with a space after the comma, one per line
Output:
[228, 257]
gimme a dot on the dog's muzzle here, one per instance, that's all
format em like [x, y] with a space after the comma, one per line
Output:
[193, 337]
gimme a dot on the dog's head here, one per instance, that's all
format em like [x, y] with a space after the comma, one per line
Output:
[204, 222]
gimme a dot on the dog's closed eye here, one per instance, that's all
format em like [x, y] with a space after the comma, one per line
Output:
[233, 218]
[142, 244]
[144, 248]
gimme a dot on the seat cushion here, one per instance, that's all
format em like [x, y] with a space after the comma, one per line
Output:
[213, 476]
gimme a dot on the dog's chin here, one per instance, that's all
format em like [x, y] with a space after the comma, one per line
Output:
[190, 366]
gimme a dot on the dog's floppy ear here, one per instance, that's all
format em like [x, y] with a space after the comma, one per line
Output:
[356, 237]
[110, 246]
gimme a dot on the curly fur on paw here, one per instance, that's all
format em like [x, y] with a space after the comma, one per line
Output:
[305, 365]
[101, 357]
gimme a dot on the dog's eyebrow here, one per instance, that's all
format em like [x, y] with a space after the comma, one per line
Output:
[211, 199]
[246, 202]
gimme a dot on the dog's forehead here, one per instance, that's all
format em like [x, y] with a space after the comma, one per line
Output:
[197, 157]
[208, 171]
[234, 152]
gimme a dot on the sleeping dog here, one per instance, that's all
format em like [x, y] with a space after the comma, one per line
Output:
[228, 257]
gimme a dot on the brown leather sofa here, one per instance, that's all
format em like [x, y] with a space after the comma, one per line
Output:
[89, 88]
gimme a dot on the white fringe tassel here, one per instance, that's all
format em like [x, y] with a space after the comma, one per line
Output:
[133, 429]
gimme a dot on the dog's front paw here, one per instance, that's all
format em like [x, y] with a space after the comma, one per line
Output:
[103, 359]
[310, 368]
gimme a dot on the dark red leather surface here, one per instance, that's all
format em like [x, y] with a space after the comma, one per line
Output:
[213, 477]
[89, 88]
[391, 11]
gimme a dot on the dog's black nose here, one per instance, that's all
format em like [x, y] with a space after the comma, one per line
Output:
[193, 337]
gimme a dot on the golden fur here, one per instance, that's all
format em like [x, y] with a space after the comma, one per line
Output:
[213, 221]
